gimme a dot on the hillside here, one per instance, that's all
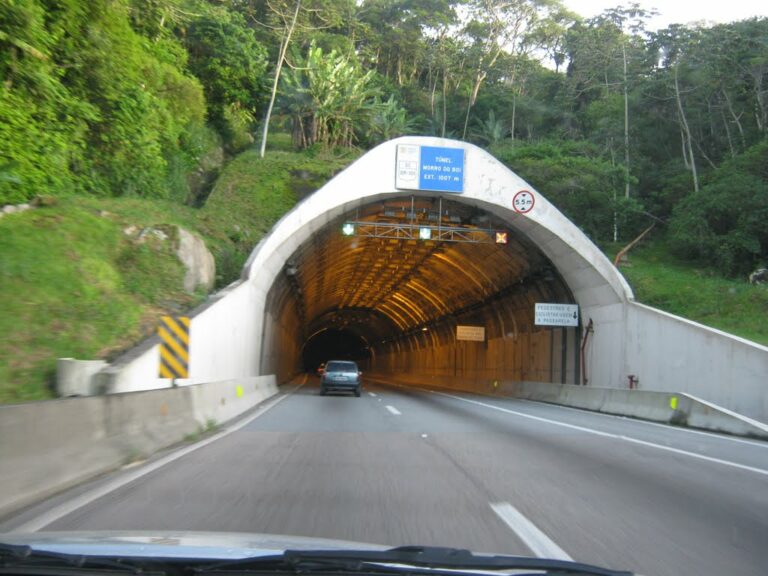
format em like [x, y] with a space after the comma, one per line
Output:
[74, 284]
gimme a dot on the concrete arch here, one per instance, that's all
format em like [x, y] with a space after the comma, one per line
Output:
[489, 186]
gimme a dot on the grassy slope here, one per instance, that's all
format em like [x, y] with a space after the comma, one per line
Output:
[251, 195]
[72, 284]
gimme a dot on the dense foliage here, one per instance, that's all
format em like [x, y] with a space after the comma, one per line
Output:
[618, 125]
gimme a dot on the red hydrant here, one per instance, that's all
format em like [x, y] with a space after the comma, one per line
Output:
[633, 381]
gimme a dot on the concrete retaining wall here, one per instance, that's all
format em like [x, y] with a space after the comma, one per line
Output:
[672, 354]
[77, 377]
[85, 437]
[225, 342]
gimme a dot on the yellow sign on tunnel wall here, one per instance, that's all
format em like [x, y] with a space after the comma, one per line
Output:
[174, 346]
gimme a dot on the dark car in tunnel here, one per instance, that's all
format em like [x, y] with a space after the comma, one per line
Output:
[341, 375]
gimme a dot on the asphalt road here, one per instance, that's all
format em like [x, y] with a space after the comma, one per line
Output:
[400, 466]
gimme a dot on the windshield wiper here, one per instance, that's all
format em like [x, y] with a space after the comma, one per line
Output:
[24, 560]
[398, 560]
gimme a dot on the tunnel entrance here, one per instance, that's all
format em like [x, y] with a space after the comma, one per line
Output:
[390, 282]
[404, 248]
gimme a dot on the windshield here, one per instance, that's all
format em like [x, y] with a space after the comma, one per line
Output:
[341, 367]
[459, 278]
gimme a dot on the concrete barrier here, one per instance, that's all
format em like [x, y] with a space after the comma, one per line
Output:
[222, 401]
[77, 377]
[81, 438]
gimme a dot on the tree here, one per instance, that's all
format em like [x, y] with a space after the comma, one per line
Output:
[578, 180]
[725, 226]
[283, 19]
[326, 97]
[676, 46]
[290, 26]
[231, 64]
[494, 27]
[607, 54]
[397, 34]
[387, 120]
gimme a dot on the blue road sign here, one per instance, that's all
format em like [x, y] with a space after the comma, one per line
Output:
[441, 169]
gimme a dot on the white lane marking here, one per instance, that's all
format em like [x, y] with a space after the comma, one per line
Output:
[609, 435]
[371, 394]
[668, 427]
[78, 502]
[539, 543]
[394, 410]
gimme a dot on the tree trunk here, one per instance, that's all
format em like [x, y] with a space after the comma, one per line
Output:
[432, 93]
[278, 68]
[735, 119]
[761, 114]
[514, 112]
[688, 147]
[626, 124]
[728, 133]
[466, 118]
[445, 106]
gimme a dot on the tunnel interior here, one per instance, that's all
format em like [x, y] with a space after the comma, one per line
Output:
[389, 283]
[333, 343]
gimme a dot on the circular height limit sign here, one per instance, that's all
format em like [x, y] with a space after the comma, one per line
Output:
[523, 201]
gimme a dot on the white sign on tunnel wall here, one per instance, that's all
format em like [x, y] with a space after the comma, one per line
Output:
[471, 333]
[556, 314]
[430, 168]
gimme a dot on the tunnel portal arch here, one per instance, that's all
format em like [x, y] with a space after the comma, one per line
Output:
[415, 327]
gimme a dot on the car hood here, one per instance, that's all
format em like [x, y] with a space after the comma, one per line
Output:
[176, 544]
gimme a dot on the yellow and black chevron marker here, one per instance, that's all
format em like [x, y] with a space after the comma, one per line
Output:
[174, 346]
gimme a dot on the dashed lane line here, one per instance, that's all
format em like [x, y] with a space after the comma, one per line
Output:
[539, 543]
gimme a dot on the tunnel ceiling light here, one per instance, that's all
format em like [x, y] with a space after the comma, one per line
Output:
[348, 229]
[502, 237]
[425, 233]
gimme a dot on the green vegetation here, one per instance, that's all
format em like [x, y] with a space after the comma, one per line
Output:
[74, 284]
[143, 113]
[148, 98]
[577, 179]
[252, 195]
[210, 427]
